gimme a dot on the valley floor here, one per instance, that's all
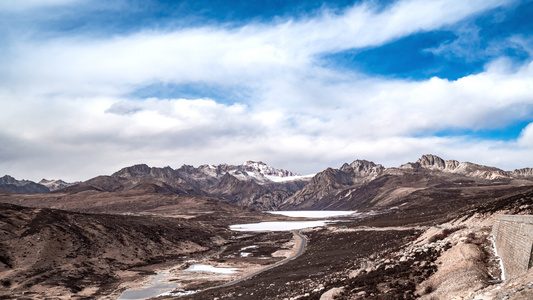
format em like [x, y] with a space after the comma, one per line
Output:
[51, 254]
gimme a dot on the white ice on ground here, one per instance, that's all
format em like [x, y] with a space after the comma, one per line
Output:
[314, 213]
[249, 247]
[210, 269]
[278, 226]
[245, 254]
[498, 258]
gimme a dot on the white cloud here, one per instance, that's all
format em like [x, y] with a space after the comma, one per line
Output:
[218, 55]
[68, 110]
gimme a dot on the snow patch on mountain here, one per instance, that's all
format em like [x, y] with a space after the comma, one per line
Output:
[260, 167]
[290, 178]
[248, 171]
[56, 184]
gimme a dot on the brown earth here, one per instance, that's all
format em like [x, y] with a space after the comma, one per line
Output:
[49, 252]
[402, 252]
[126, 202]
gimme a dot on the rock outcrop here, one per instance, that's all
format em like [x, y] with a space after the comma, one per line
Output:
[523, 173]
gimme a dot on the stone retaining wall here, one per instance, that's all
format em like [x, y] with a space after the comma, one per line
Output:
[514, 242]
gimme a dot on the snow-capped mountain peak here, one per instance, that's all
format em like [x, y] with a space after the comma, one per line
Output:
[56, 184]
[260, 167]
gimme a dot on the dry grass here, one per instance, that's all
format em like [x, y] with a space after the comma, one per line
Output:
[461, 269]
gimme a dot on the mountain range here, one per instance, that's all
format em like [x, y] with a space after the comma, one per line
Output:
[359, 185]
[94, 238]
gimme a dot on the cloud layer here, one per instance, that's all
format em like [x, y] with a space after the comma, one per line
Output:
[71, 107]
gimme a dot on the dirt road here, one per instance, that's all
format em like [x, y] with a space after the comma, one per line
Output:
[301, 241]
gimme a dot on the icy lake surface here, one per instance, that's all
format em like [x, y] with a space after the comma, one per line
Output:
[313, 213]
[293, 225]
[277, 226]
[210, 269]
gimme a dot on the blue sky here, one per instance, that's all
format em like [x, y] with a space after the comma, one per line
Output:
[89, 87]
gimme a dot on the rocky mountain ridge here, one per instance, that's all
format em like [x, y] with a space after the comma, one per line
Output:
[10, 184]
[433, 162]
[364, 184]
[253, 184]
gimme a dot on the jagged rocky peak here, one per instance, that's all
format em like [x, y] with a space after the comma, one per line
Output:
[142, 170]
[433, 162]
[525, 172]
[430, 161]
[364, 168]
[266, 170]
[187, 169]
[9, 180]
[133, 171]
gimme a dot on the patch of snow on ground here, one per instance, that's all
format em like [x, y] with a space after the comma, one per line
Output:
[177, 293]
[245, 254]
[249, 247]
[210, 269]
[493, 240]
[314, 213]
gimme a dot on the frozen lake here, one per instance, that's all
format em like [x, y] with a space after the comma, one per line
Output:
[293, 225]
[314, 213]
[278, 226]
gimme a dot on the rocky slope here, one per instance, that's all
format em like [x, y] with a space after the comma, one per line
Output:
[330, 182]
[48, 252]
[143, 199]
[10, 184]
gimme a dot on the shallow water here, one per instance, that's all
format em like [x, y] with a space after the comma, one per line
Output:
[156, 287]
